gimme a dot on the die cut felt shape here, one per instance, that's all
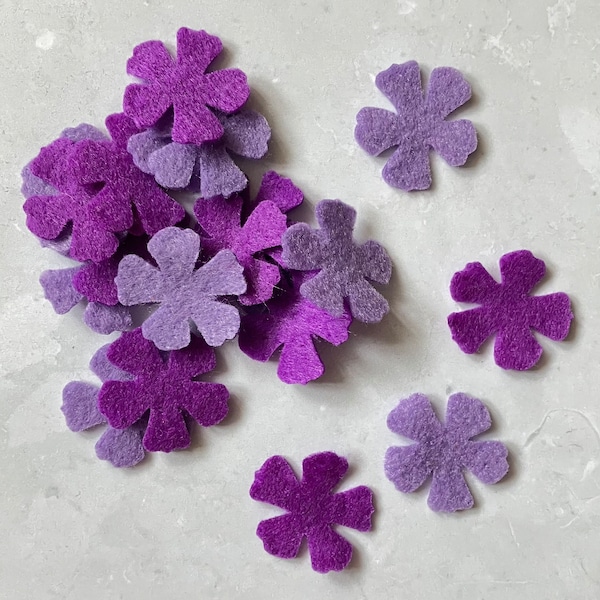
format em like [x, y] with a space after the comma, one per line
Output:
[443, 450]
[311, 509]
[220, 220]
[165, 388]
[345, 267]
[279, 190]
[101, 317]
[419, 125]
[207, 168]
[184, 85]
[121, 447]
[508, 311]
[184, 293]
[294, 324]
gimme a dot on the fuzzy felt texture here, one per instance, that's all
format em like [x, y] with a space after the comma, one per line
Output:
[419, 125]
[508, 311]
[165, 388]
[221, 222]
[311, 509]
[97, 184]
[184, 86]
[184, 293]
[121, 447]
[443, 450]
[207, 168]
[294, 324]
[279, 190]
[345, 267]
[102, 315]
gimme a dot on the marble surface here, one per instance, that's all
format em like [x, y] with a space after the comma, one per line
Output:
[182, 525]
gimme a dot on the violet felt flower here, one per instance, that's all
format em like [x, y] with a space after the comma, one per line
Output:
[508, 311]
[294, 324]
[121, 447]
[207, 168]
[311, 509]
[221, 222]
[279, 190]
[345, 266]
[184, 293]
[183, 85]
[443, 450]
[419, 125]
[166, 389]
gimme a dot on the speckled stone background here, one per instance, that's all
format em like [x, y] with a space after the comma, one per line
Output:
[182, 525]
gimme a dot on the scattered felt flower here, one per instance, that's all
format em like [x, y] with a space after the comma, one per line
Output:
[443, 450]
[184, 86]
[121, 447]
[167, 389]
[184, 293]
[345, 267]
[221, 222]
[311, 509]
[294, 324]
[419, 125]
[279, 190]
[508, 311]
[207, 168]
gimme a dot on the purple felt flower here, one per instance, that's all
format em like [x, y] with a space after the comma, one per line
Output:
[183, 85]
[419, 125]
[221, 221]
[185, 293]
[508, 311]
[165, 388]
[121, 447]
[311, 509]
[207, 168]
[345, 266]
[292, 323]
[443, 450]
[279, 190]
[65, 288]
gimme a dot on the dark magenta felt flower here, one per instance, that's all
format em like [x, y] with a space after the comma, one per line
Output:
[345, 267]
[167, 389]
[508, 310]
[184, 85]
[443, 450]
[418, 125]
[311, 509]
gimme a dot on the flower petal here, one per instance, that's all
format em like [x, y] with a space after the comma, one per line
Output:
[226, 90]
[471, 328]
[197, 49]
[167, 328]
[196, 359]
[449, 491]
[166, 430]
[58, 289]
[323, 471]
[521, 271]
[454, 141]
[150, 61]
[121, 403]
[175, 251]
[487, 460]
[220, 276]
[366, 303]
[47, 216]
[516, 348]
[377, 265]
[134, 354]
[299, 361]
[194, 123]
[121, 447]
[80, 406]
[474, 284]
[415, 419]
[323, 291]
[262, 278]
[447, 91]
[407, 467]
[206, 403]
[551, 315]
[219, 175]
[104, 369]
[146, 103]
[302, 248]
[263, 229]
[216, 321]
[377, 130]
[138, 282]
[466, 417]
[329, 551]
[352, 508]
[141, 146]
[173, 165]
[279, 190]
[275, 483]
[247, 134]
[401, 84]
[408, 168]
[281, 536]
[105, 319]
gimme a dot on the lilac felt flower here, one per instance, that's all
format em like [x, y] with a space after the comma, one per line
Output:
[294, 324]
[311, 509]
[221, 222]
[419, 125]
[508, 310]
[185, 293]
[165, 388]
[345, 266]
[443, 450]
[207, 168]
[121, 447]
[183, 85]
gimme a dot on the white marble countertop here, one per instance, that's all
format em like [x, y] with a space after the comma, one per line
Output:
[182, 525]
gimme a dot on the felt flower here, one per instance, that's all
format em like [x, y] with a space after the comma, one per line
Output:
[184, 293]
[344, 266]
[221, 222]
[508, 310]
[294, 324]
[279, 190]
[419, 125]
[121, 447]
[165, 388]
[443, 450]
[311, 509]
[207, 168]
[184, 85]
